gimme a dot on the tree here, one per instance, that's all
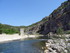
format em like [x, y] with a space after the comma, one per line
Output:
[0, 31]
[60, 31]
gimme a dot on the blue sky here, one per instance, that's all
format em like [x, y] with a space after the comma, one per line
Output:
[26, 12]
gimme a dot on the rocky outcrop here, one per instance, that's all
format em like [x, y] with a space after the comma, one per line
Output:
[58, 18]
[68, 0]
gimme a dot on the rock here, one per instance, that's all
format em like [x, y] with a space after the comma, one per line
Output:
[58, 18]
[65, 51]
[50, 41]
[58, 46]
[46, 51]
[69, 0]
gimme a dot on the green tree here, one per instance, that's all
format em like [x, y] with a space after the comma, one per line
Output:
[60, 31]
[0, 31]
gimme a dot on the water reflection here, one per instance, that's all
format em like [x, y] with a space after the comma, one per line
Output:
[20, 47]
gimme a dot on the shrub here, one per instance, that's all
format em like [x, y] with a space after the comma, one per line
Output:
[67, 32]
[60, 31]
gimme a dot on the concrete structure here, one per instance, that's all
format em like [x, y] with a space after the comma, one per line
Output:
[22, 31]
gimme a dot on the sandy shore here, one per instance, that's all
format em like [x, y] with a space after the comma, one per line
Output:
[8, 37]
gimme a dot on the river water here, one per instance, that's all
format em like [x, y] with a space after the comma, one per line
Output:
[20, 47]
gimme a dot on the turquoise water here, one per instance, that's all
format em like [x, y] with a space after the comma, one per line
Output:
[20, 47]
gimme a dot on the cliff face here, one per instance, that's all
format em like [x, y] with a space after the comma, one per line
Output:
[58, 18]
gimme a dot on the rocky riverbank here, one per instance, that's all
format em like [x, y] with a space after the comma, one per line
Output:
[57, 46]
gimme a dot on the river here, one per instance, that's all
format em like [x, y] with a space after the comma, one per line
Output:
[24, 46]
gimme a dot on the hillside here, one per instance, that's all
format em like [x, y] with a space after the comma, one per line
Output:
[8, 29]
[59, 18]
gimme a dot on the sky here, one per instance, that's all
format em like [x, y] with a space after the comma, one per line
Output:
[26, 12]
